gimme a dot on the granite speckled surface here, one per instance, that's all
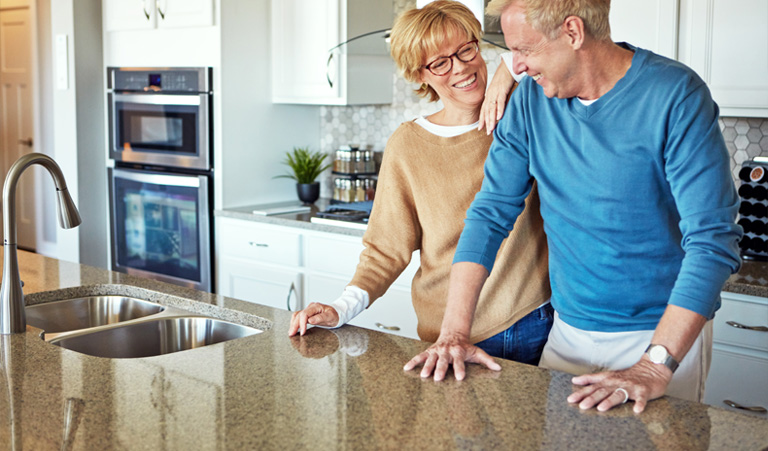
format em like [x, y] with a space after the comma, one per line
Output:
[752, 279]
[327, 390]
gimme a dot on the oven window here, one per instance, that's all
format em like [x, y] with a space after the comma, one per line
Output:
[164, 128]
[158, 228]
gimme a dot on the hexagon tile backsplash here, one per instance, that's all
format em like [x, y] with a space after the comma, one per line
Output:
[746, 138]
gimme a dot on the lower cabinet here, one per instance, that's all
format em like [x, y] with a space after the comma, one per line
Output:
[287, 268]
[259, 283]
[738, 376]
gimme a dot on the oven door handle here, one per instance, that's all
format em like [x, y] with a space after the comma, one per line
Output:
[162, 99]
[191, 181]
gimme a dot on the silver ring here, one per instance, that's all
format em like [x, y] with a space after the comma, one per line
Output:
[626, 395]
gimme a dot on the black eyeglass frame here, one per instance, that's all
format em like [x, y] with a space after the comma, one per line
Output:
[450, 58]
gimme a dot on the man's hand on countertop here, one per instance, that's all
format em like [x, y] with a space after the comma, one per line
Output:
[642, 382]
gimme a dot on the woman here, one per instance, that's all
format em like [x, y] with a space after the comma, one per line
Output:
[431, 170]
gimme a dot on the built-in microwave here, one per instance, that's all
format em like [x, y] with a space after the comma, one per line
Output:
[160, 116]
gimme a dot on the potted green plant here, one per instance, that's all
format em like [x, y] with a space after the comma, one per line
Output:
[305, 167]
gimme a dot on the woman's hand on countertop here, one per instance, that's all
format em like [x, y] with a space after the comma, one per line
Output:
[316, 314]
[451, 350]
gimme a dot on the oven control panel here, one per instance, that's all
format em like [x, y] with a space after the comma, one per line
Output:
[169, 80]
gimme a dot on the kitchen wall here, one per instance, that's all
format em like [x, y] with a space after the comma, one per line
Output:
[746, 138]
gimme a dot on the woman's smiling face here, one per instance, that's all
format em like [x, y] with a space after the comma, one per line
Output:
[464, 85]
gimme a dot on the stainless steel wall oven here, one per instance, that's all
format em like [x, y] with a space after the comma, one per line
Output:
[160, 185]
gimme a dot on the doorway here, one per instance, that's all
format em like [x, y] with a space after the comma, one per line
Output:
[17, 111]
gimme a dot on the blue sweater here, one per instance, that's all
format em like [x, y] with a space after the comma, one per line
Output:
[636, 195]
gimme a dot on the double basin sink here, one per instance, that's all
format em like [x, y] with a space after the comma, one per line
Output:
[116, 326]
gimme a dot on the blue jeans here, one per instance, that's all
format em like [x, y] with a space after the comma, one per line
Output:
[524, 340]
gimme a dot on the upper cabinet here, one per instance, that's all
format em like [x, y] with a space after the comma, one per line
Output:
[651, 24]
[309, 68]
[123, 15]
[726, 43]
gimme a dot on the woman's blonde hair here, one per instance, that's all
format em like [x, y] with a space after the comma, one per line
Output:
[417, 33]
[546, 16]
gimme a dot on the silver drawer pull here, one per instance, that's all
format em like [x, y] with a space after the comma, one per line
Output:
[393, 328]
[742, 326]
[255, 244]
[736, 405]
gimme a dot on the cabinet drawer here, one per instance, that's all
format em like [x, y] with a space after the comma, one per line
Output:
[738, 377]
[340, 257]
[334, 255]
[393, 313]
[746, 311]
[259, 243]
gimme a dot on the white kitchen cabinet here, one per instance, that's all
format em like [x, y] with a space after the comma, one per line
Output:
[739, 369]
[259, 263]
[651, 24]
[261, 284]
[124, 15]
[726, 43]
[304, 71]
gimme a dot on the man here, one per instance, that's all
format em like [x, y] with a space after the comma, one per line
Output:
[637, 200]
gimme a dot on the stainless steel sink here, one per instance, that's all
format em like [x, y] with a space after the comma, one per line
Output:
[88, 312]
[154, 337]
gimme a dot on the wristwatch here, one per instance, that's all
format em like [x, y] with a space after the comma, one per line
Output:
[659, 354]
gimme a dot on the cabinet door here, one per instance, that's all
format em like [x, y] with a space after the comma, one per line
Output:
[303, 31]
[738, 375]
[184, 13]
[122, 15]
[651, 24]
[260, 284]
[726, 43]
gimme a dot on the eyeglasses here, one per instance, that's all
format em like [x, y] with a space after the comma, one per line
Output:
[444, 64]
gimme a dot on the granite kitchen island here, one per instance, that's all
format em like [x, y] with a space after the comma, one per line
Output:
[327, 390]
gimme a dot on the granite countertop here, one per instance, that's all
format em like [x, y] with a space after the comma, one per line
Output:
[297, 220]
[326, 390]
[752, 279]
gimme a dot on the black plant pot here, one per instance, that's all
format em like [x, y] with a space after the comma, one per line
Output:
[308, 192]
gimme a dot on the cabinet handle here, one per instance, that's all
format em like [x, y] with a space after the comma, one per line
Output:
[742, 326]
[736, 405]
[328, 70]
[146, 13]
[392, 328]
[160, 10]
[26, 142]
[288, 299]
[255, 244]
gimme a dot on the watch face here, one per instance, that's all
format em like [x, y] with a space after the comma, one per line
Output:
[657, 354]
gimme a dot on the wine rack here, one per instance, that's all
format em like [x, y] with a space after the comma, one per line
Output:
[753, 212]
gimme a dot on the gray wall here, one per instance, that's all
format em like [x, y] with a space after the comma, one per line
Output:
[91, 154]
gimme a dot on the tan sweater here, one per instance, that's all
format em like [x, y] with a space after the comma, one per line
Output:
[425, 187]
